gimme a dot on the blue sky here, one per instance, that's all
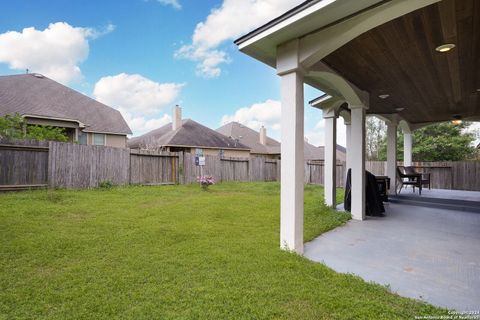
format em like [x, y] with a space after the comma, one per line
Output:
[143, 57]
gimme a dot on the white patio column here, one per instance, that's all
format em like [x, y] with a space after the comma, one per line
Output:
[348, 133]
[330, 165]
[292, 169]
[358, 162]
[407, 149]
[392, 155]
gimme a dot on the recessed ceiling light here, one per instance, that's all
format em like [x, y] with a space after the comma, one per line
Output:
[384, 96]
[478, 90]
[445, 47]
[457, 119]
[399, 109]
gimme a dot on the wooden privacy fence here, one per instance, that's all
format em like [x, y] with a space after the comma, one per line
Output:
[82, 166]
[456, 175]
[314, 173]
[230, 169]
[25, 164]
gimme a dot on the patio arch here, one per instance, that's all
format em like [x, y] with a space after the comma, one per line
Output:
[341, 87]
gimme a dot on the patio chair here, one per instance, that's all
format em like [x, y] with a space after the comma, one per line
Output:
[407, 177]
[424, 177]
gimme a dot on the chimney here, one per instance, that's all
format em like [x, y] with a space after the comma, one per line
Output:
[263, 135]
[177, 118]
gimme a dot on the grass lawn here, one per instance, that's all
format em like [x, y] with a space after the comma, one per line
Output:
[174, 252]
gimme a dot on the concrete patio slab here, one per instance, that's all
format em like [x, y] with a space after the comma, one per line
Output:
[444, 194]
[422, 253]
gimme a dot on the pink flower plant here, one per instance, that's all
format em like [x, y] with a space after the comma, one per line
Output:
[205, 181]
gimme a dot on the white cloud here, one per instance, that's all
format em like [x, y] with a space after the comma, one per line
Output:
[268, 114]
[135, 93]
[93, 34]
[174, 3]
[141, 124]
[140, 100]
[316, 136]
[55, 52]
[207, 60]
[231, 20]
[263, 113]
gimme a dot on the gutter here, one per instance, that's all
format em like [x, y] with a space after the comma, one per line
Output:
[276, 21]
[80, 124]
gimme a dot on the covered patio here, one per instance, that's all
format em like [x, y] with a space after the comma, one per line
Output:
[418, 252]
[410, 63]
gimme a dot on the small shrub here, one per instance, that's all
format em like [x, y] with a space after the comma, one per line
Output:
[15, 127]
[107, 184]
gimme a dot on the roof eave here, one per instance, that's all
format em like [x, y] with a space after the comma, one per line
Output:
[203, 147]
[309, 17]
[275, 22]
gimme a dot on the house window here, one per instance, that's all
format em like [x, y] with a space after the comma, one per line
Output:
[199, 152]
[221, 152]
[82, 137]
[99, 139]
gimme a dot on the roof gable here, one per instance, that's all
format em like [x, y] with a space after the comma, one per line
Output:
[37, 95]
[250, 137]
[191, 133]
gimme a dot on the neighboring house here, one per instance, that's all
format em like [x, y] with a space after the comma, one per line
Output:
[341, 152]
[312, 153]
[42, 101]
[260, 145]
[190, 137]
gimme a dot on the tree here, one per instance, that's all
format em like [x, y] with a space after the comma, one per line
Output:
[438, 142]
[12, 127]
[376, 133]
[15, 127]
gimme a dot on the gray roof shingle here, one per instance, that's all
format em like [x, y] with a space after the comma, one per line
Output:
[250, 137]
[33, 94]
[313, 153]
[190, 134]
[341, 152]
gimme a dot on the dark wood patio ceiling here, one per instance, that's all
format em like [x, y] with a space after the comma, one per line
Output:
[399, 58]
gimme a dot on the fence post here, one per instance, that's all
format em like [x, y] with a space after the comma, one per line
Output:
[249, 168]
[50, 165]
[181, 168]
[279, 170]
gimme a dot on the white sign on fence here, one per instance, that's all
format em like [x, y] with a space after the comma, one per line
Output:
[199, 161]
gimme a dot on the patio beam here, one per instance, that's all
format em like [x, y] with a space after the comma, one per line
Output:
[292, 171]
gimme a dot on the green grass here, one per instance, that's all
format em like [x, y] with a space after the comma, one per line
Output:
[174, 252]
